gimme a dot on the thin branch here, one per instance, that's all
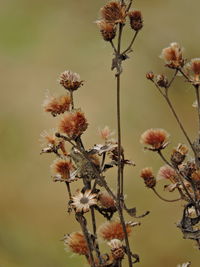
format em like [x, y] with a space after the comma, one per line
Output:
[113, 46]
[164, 199]
[129, 5]
[131, 44]
[173, 78]
[72, 99]
[68, 190]
[198, 106]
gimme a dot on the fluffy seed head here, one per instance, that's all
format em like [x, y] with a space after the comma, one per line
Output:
[155, 138]
[106, 200]
[113, 12]
[166, 172]
[62, 167]
[77, 243]
[147, 175]
[173, 55]
[57, 105]
[83, 201]
[193, 70]
[108, 30]
[113, 230]
[105, 133]
[70, 80]
[73, 124]
[136, 20]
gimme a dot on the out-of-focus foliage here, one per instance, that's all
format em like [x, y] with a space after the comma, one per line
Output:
[40, 39]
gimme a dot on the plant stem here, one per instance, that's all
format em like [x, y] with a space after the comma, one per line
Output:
[164, 199]
[198, 106]
[131, 44]
[72, 99]
[69, 190]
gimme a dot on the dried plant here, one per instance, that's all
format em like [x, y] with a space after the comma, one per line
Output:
[182, 169]
[90, 166]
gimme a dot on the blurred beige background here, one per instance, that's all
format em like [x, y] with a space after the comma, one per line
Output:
[39, 40]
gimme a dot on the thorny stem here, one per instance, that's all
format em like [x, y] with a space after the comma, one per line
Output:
[164, 199]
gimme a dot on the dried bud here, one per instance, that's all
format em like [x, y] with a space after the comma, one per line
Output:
[149, 179]
[113, 12]
[196, 179]
[57, 105]
[173, 55]
[162, 80]
[113, 230]
[136, 20]
[108, 30]
[70, 81]
[117, 249]
[107, 201]
[155, 138]
[150, 75]
[77, 243]
[179, 154]
[73, 124]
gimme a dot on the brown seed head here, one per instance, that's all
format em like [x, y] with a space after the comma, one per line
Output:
[70, 81]
[162, 80]
[77, 243]
[178, 154]
[155, 138]
[117, 249]
[108, 30]
[73, 124]
[196, 176]
[57, 105]
[173, 55]
[106, 200]
[113, 230]
[192, 70]
[147, 175]
[63, 168]
[113, 12]
[166, 172]
[136, 20]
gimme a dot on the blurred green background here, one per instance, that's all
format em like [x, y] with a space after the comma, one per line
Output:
[39, 40]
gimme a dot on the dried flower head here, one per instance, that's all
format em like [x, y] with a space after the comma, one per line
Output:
[117, 249]
[57, 105]
[106, 201]
[173, 55]
[113, 230]
[113, 12]
[155, 138]
[192, 70]
[70, 80]
[73, 124]
[196, 176]
[107, 29]
[166, 172]
[62, 168]
[82, 202]
[136, 20]
[178, 154]
[162, 80]
[147, 175]
[77, 243]
[186, 264]
[51, 143]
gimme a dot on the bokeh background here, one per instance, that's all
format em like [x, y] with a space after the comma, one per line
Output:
[39, 40]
